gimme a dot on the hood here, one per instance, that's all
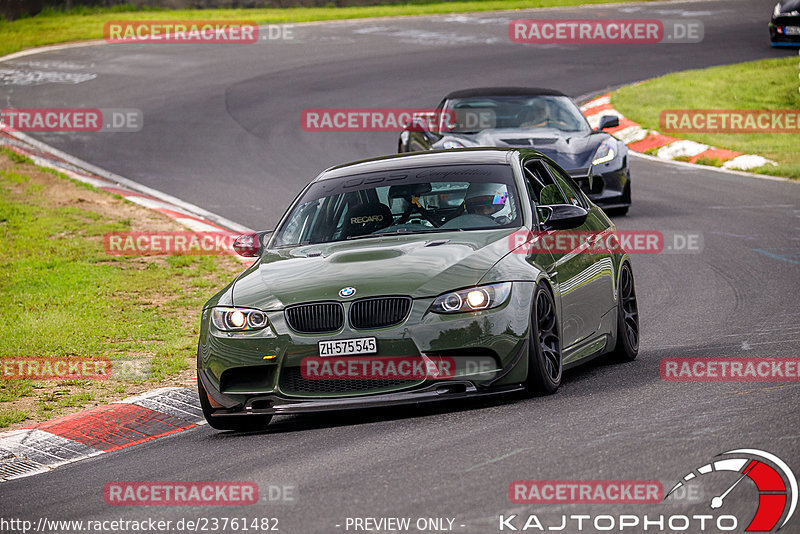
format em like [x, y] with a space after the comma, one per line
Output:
[420, 265]
[788, 6]
[570, 151]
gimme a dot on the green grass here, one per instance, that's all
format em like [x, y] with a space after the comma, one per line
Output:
[765, 84]
[80, 24]
[62, 296]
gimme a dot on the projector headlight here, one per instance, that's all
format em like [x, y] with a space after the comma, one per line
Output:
[238, 319]
[472, 299]
[605, 152]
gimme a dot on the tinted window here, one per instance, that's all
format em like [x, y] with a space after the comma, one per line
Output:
[405, 201]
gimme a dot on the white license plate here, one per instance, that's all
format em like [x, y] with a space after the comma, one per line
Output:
[348, 347]
[792, 30]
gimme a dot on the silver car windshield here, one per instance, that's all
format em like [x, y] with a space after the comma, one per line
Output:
[404, 201]
[474, 114]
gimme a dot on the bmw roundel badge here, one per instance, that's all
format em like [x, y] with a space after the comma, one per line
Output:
[346, 292]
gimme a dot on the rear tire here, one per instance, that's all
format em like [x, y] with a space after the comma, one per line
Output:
[627, 347]
[544, 345]
[240, 423]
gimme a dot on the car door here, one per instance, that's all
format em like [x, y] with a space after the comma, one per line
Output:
[582, 273]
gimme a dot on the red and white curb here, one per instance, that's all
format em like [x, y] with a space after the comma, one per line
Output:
[642, 140]
[45, 446]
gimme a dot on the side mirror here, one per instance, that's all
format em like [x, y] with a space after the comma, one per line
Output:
[563, 216]
[251, 245]
[608, 121]
[426, 123]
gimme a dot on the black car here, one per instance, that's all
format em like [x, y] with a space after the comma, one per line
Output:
[542, 119]
[784, 27]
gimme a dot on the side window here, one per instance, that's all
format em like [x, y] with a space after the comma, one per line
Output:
[573, 195]
[543, 190]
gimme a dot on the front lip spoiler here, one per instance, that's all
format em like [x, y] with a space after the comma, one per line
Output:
[272, 404]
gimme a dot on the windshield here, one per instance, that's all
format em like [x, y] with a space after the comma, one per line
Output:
[471, 115]
[403, 201]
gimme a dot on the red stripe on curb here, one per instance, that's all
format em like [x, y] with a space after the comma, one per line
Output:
[652, 141]
[597, 109]
[623, 123]
[719, 153]
[115, 426]
[126, 193]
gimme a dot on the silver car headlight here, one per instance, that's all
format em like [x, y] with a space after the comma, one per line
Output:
[238, 319]
[605, 152]
[472, 299]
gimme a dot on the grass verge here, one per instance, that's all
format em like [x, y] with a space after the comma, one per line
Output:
[81, 24]
[62, 296]
[765, 84]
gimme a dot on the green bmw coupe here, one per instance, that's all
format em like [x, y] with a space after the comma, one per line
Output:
[413, 278]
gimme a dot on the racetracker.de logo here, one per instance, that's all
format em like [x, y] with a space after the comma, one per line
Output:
[605, 242]
[180, 493]
[82, 120]
[181, 31]
[381, 368]
[585, 492]
[730, 369]
[55, 369]
[605, 31]
[168, 243]
[730, 120]
[372, 119]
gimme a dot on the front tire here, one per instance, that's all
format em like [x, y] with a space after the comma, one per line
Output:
[241, 423]
[544, 353]
[627, 347]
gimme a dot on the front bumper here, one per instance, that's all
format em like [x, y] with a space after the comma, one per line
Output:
[610, 189]
[238, 378]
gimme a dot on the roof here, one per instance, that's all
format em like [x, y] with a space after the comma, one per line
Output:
[466, 156]
[504, 91]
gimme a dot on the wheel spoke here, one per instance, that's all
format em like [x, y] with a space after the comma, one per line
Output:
[549, 343]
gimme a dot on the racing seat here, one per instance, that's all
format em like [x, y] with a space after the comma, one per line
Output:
[363, 219]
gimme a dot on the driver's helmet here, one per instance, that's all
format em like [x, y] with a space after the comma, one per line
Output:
[485, 198]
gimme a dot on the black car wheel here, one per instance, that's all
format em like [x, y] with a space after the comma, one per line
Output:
[233, 422]
[544, 356]
[627, 347]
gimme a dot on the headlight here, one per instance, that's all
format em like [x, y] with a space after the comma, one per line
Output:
[605, 152]
[777, 11]
[473, 299]
[238, 319]
[451, 144]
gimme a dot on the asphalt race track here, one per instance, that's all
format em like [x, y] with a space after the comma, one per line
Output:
[222, 130]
